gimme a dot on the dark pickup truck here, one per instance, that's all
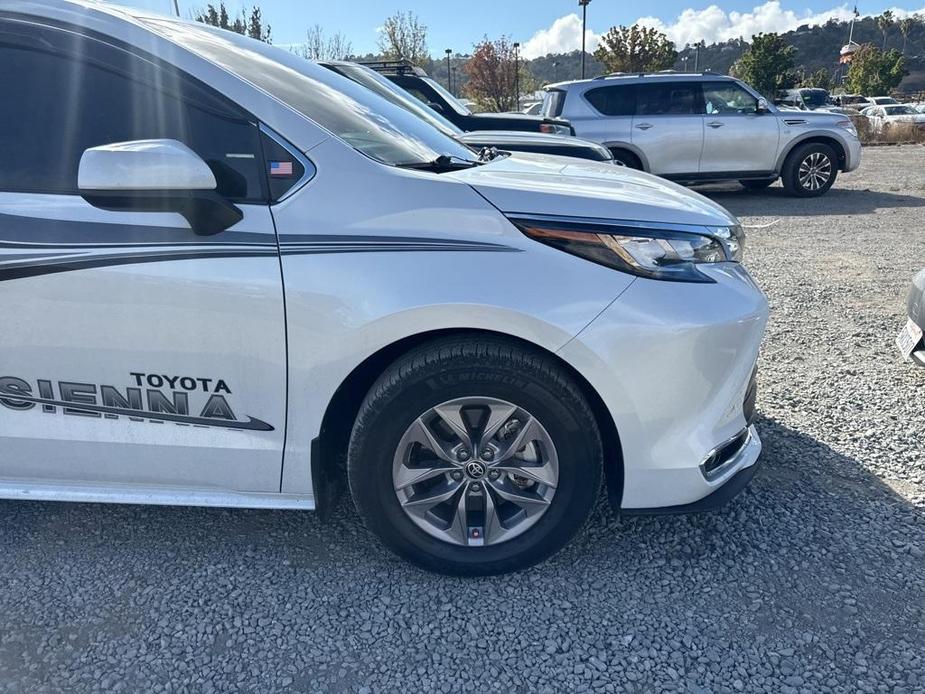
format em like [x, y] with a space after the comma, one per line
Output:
[415, 81]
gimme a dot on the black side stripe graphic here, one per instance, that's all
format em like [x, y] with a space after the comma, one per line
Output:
[70, 258]
[251, 424]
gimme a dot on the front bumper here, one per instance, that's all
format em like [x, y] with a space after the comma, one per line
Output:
[852, 154]
[674, 365]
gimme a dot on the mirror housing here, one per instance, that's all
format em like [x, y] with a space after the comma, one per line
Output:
[155, 176]
[763, 106]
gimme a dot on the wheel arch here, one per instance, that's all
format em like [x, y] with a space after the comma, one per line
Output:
[635, 151]
[816, 138]
[329, 449]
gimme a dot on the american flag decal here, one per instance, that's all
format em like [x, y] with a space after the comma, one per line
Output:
[280, 168]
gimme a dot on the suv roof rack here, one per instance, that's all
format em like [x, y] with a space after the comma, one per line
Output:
[660, 72]
[395, 67]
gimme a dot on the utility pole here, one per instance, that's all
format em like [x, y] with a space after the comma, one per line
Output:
[516, 77]
[449, 73]
[584, 32]
[176, 7]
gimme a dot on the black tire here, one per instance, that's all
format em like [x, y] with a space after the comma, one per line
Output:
[805, 154]
[626, 158]
[757, 184]
[459, 368]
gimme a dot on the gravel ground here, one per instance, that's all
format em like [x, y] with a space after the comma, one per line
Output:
[812, 581]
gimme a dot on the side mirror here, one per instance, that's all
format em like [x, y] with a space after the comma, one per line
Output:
[763, 106]
[436, 107]
[155, 176]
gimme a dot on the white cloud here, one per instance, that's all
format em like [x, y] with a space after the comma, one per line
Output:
[711, 24]
[564, 36]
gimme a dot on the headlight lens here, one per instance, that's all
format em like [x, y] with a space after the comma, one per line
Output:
[661, 254]
[849, 126]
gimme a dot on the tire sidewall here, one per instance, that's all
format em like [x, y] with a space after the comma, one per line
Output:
[577, 445]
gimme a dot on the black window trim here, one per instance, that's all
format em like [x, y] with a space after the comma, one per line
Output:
[308, 167]
[109, 42]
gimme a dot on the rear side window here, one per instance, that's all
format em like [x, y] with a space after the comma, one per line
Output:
[613, 101]
[668, 99]
[553, 102]
[63, 93]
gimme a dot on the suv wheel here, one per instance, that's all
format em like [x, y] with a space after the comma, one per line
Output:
[475, 457]
[626, 158]
[810, 170]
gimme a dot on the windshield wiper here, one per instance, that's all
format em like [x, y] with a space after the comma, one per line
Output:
[444, 162]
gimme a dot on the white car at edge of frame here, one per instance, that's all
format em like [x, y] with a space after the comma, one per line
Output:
[230, 277]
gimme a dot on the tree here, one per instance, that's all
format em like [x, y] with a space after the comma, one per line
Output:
[767, 65]
[885, 23]
[635, 49]
[905, 26]
[875, 72]
[820, 79]
[404, 37]
[250, 23]
[319, 47]
[491, 75]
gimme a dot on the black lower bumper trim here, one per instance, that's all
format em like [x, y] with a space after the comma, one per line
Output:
[712, 502]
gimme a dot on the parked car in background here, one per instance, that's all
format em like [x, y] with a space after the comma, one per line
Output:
[808, 99]
[506, 140]
[231, 276]
[416, 82]
[534, 109]
[910, 341]
[707, 127]
[882, 100]
[893, 117]
[852, 101]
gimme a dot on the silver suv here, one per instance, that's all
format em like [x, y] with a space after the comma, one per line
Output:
[707, 127]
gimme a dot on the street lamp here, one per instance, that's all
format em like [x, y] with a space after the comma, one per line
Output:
[584, 31]
[449, 74]
[516, 77]
[555, 70]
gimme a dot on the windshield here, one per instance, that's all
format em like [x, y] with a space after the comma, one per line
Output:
[387, 89]
[814, 98]
[899, 111]
[454, 103]
[364, 120]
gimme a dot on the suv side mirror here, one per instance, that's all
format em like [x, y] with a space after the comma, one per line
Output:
[155, 176]
[763, 106]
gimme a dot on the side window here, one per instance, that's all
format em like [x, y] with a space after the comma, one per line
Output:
[668, 99]
[59, 101]
[727, 97]
[613, 101]
[418, 94]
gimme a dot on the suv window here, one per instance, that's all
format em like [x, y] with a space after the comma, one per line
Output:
[727, 97]
[553, 102]
[613, 101]
[93, 94]
[668, 99]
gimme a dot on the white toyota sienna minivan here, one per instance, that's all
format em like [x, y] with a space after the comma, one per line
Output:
[230, 277]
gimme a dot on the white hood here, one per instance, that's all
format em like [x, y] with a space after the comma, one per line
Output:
[540, 184]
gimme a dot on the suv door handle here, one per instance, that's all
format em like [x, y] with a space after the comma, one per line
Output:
[644, 126]
[715, 124]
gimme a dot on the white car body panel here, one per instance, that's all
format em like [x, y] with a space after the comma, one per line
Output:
[367, 255]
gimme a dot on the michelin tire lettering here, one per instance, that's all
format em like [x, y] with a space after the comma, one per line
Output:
[145, 400]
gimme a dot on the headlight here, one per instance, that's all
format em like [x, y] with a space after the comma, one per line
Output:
[662, 254]
[553, 129]
[849, 126]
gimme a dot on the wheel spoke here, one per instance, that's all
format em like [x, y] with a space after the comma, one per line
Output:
[420, 433]
[406, 476]
[541, 474]
[451, 414]
[420, 503]
[523, 437]
[529, 501]
[499, 414]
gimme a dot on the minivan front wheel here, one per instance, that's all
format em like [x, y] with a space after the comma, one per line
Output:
[810, 170]
[475, 457]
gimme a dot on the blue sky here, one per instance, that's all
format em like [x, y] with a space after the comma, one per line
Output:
[542, 25]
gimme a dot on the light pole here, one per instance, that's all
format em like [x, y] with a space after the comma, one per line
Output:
[555, 70]
[584, 32]
[516, 77]
[455, 81]
[449, 73]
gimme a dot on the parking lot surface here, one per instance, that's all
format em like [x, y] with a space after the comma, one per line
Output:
[813, 580]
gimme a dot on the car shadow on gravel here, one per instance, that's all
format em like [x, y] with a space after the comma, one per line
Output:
[813, 574]
[774, 201]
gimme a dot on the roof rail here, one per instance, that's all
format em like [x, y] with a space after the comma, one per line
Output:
[395, 67]
[706, 71]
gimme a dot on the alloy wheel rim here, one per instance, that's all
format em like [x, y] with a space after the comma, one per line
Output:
[475, 471]
[815, 171]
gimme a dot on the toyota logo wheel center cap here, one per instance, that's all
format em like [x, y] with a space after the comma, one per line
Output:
[475, 470]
